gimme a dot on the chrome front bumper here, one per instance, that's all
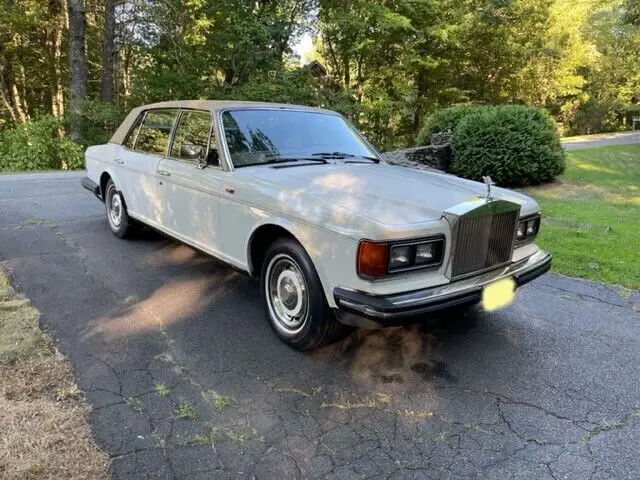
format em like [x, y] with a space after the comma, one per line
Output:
[388, 309]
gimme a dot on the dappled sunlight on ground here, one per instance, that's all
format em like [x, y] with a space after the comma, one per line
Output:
[171, 303]
[174, 254]
[594, 168]
[563, 189]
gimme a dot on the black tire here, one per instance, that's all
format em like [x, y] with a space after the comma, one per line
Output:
[120, 223]
[318, 326]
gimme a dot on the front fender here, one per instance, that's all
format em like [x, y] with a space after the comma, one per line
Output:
[321, 245]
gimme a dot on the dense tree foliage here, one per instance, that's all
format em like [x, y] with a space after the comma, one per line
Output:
[389, 63]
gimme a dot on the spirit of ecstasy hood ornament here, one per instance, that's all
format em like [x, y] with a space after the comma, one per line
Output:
[488, 182]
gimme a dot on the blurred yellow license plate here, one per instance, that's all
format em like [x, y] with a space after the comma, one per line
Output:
[498, 294]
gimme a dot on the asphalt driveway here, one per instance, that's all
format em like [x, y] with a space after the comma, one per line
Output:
[187, 381]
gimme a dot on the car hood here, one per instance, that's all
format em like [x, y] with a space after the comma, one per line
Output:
[390, 195]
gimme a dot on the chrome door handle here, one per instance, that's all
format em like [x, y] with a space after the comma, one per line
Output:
[119, 160]
[164, 173]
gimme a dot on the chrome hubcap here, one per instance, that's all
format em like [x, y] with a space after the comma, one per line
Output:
[287, 295]
[115, 208]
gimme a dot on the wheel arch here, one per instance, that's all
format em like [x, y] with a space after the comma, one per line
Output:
[261, 237]
[104, 178]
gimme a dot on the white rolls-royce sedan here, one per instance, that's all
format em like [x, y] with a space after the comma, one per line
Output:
[296, 197]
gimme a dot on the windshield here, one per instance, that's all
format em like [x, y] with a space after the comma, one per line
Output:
[261, 136]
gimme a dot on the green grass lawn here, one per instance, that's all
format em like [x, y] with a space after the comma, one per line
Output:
[591, 215]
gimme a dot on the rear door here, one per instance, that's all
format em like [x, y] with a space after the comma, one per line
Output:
[189, 184]
[139, 159]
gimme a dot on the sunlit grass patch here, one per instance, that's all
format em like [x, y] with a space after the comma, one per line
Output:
[591, 216]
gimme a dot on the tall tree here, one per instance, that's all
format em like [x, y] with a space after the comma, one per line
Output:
[108, 52]
[77, 65]
[55, 32]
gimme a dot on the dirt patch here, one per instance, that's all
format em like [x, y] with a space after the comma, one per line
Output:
[44, 431]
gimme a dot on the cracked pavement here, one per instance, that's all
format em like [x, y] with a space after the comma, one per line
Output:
[186, 379]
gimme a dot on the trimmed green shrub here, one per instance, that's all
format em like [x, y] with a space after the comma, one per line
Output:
[444, 120]
[36, 145]
[516, 145]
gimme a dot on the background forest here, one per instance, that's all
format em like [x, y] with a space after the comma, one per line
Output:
[75, 67]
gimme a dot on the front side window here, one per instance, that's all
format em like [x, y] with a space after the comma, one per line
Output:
[257, 136]
[154, 133]
[191, 139]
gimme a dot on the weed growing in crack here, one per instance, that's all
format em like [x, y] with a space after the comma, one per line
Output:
[160, 440]
[135, 404]
[379, 402]
[605, 426]
[243, 436]
[220, 403]
[207, 438]
[411, 413]
[297, 391]
[162, 389]
[185, 410]
[442, 437]
[131, 299]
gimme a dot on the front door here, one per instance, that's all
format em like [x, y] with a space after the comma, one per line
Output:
[189, 182]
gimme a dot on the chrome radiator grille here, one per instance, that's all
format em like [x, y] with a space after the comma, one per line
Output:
[483, 241]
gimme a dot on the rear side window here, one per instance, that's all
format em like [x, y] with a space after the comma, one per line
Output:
[130, 140]
[192, 136]
[155, 131]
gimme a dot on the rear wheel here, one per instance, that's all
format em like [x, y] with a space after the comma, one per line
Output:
[117, 215]
[294, 298]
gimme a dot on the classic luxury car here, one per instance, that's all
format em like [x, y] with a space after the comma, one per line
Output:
[296, 197]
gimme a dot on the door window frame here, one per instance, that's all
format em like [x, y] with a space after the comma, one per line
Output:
[141, 124]
[211, 132]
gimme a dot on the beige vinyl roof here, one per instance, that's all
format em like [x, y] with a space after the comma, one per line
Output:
[210, 105]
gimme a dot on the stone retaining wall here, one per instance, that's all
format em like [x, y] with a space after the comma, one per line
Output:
[432, 156]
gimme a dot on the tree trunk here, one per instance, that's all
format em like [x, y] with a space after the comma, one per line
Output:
[56, 9]
[108, 52]
[421, 93]
[126, 71]
[17, 101]
[5, 99]
[347, 71]
[77, 65]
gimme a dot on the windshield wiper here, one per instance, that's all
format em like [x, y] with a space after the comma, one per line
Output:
[272, 159]
[344, 155]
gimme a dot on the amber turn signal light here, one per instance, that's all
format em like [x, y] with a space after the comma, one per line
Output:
[373, 259]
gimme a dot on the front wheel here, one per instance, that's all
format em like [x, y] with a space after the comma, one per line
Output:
[117, 215]
[294, 298]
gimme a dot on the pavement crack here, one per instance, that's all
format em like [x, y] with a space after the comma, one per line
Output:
[586, 295]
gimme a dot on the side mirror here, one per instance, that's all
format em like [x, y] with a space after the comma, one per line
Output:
[213, 158]
[191, 151]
